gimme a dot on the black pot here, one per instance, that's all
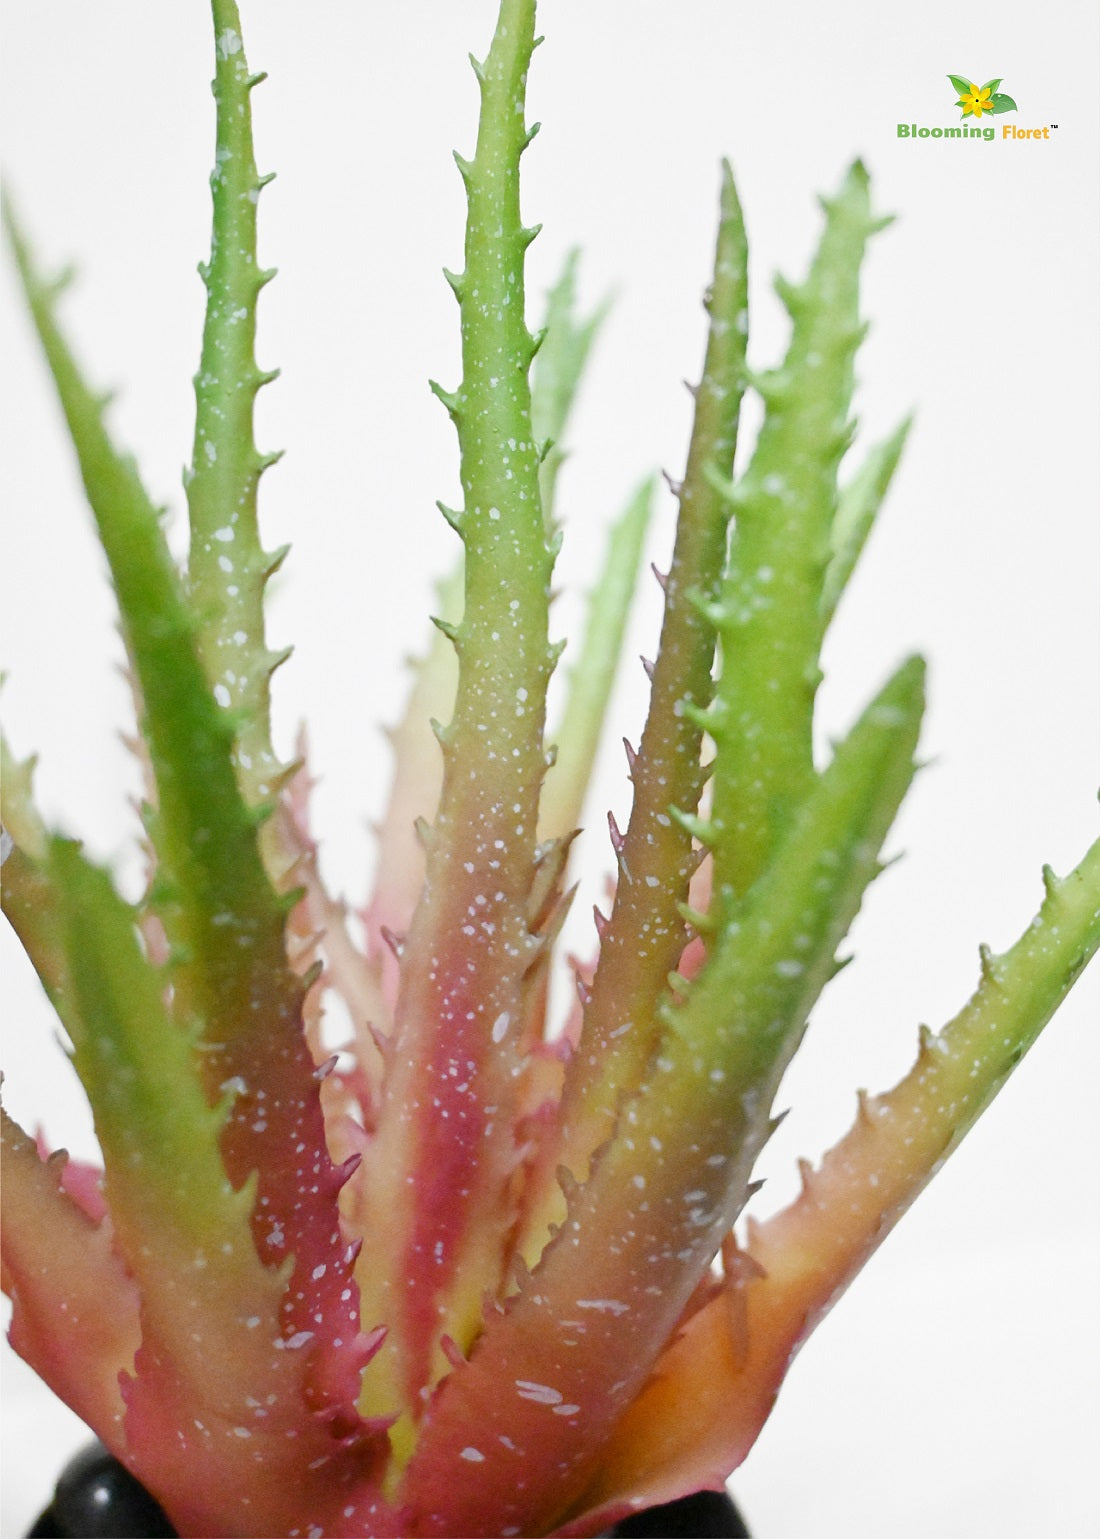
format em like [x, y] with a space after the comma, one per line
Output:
[706, 1515]
[96, 1498]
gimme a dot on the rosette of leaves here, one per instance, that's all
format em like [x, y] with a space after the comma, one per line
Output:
[479, 1274]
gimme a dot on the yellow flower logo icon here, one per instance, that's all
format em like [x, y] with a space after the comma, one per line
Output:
[976, 100]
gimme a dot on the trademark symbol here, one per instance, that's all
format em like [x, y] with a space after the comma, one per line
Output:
[1054, 125]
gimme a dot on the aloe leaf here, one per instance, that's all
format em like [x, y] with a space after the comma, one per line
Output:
[319, 923]
[641, 942]
[176, 1214]
[30, 906]
[74, 1306]
[216, 1370]
[204, 834]
[557, 373]
[18, 813]
[714, 1387]
[223, 918]
[465, 963]
[690, 1426]
[418, 769]
[592, 677]
[858, 503]
[26, 892]
[640, 1234]
[166, 1184]
[227, 567]
[415, 788]
[813, 1249]
[769, 615]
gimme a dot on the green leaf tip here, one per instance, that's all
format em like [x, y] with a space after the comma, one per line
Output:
[227, 568]
[778, 589]
[858, 503]
[559, 367]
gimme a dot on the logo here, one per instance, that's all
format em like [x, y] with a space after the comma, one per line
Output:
[976, 103]
[975, 99]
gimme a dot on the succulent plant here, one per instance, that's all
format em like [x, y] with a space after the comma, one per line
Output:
[477, 1272]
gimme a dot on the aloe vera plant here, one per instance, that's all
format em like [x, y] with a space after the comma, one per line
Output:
[478, 1274]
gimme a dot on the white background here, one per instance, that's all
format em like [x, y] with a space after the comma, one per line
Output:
[955, 1388]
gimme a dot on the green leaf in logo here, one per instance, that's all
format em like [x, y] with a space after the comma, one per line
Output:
[961, 84]
[991, 85]
[1003, 103]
